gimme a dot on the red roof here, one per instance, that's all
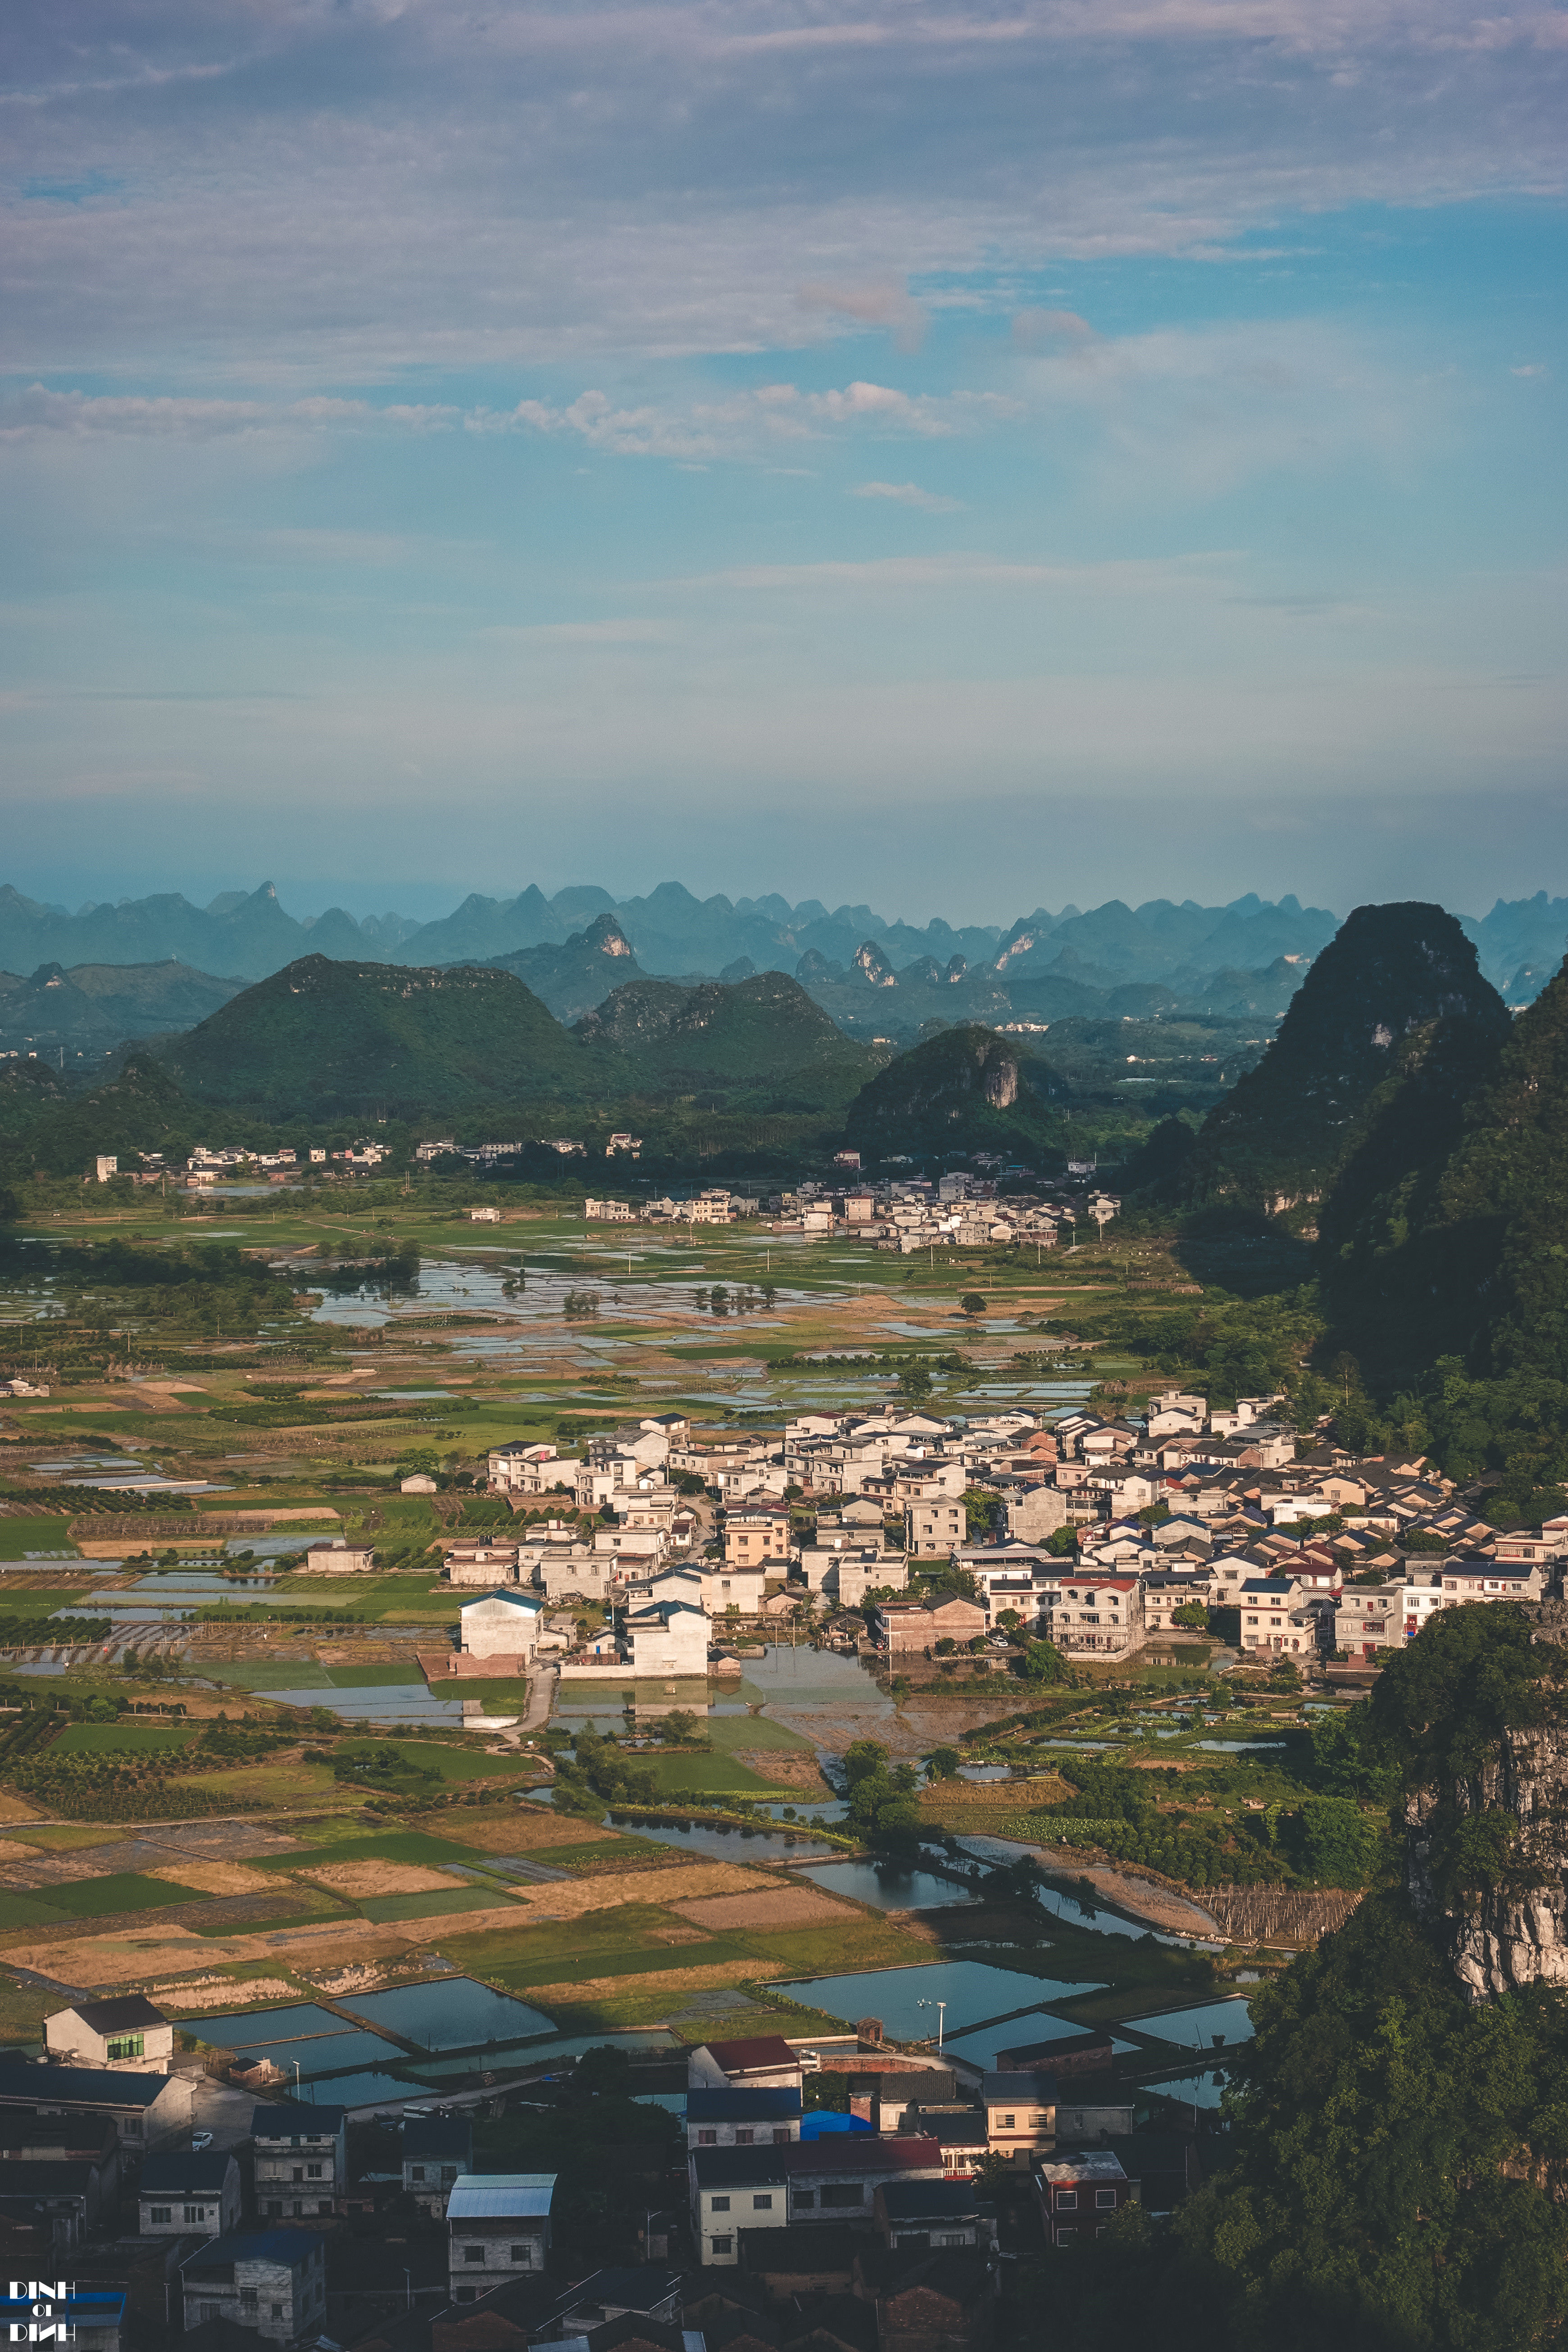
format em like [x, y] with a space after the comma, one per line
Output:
[855, 2152]
[747, 2057]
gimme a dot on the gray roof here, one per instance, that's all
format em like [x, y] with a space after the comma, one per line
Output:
[286, 2246]
[173, 2172]
[26, 2084]
[284, 2120]
[1019, 2086]
[122, 2016]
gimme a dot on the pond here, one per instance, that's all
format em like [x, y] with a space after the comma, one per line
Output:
[455, 2013]
[1214, 2023]
[372, 2090]
[1191, 2090]
[542, 2054]
[1238, 1747]
[728, 1841]
[379, 1702]
[238, 2028]
[328, 2054]
[1080, 1911]
[888, 1886]
[905, 1999]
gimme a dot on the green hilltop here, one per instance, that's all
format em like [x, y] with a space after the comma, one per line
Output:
[322, 1038]
[762, 1036]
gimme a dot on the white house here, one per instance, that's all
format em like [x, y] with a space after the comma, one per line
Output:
[128, 2032]
[482, 1563]
[183, 2194]
[669, 1637]
[503, 1625]
[301, 2159]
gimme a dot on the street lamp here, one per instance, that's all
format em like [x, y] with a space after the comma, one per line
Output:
[940, 2009]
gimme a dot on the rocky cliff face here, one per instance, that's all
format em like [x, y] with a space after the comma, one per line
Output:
[1512, 1930]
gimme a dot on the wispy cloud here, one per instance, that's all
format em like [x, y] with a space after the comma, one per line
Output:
[907, 494]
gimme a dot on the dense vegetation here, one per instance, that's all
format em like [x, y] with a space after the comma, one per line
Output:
[1396, 2158]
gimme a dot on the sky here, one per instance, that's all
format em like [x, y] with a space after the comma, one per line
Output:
[958, 454]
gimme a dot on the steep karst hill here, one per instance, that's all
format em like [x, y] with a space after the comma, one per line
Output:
[1397, 989]
[574, 976]
[321, 1036]
[762, 1034]
[967, 1083]
[1447, 1232]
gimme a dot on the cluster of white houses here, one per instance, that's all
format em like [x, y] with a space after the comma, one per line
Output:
[1098, 1532]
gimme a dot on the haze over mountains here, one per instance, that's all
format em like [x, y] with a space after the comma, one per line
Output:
[246, 935]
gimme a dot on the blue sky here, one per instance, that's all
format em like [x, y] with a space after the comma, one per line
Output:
[957, 458]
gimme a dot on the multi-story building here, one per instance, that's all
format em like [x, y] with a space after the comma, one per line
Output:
[497, 2230]
[437, 2151]
[272, 2282]
[301, 2160]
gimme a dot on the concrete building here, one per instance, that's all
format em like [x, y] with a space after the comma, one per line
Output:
[301, 2160]
[911, 1629]
[742, 2119]
[273, 2281]
[503, 1625]
[667, 1637]
[142, 2106]
[484, 1564]
[763, 2061]
[128, 2033]
[1081, 2195]
[437, 2151]
[497, 2230]
[831, 2179]
[182, 2193]
[1020, 2112]
[1098, 1617]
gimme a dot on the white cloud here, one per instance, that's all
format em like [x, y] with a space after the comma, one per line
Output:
[907, 494]
[81, 415]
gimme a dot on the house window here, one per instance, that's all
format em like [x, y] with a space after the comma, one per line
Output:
[248, 2298]
[195, 2212]
[161, 2213]
[278, 2311]
[473, 2254]
[743, 2139]
[127, 2045]
[707, 2139]
[723, 2245]
[763, 2204]
[1066, 2201]
[1104, 2197]
[312, 2172]
[1007, 2122]
[844, 2192]
[719, 2205]
[523, 2254]
[805, 2198]
[781, 2140]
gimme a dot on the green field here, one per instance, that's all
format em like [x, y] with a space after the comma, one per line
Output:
[452, 1763]
[94, 1898]
[123, 1739]
[373, 1677]
[384, 1845]
[19, 1537]
[691, 1776]
[436, 1905]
